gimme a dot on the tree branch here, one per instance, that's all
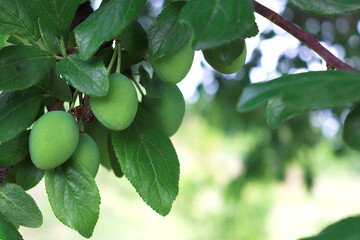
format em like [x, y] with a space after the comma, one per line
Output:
[305, 37]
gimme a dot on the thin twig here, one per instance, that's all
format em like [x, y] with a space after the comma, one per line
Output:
[305, 37]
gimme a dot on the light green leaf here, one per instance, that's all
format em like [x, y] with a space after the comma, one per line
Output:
[345, 229]
[89, 77]
[19, 207]
[148, 159]
[167, 35]
[23, 66]
[17, 16]
[105, 24]
[293, 94]
[74, 197]
[14, 150]
[19, 114]
[56, 14]
[328, 7]
[215, 23]
[8, 231]
[3, 38]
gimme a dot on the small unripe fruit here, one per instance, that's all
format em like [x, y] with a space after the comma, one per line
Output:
[53, 139]
[87, 153]
[212, 57]
[169, 109]
[118, 108]
[174, 67]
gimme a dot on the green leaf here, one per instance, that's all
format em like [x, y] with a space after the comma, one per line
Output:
[148, 83]
[148, 159]
[105, 24]
[328, 7]
[3, 38]
[89, 77]
[74, 197]
[14, 150]
[16, 116]
[229, 52]
[345, 229]
[114, 163]
[48, 39]
[351, 132]
[27, 174]
[19, 207]
[56, 14]
[8, 231]
[215, 23]
[56, 85]
[7, 97]
[23, 66]
[17, 16]
[168, 35]
[301, 92]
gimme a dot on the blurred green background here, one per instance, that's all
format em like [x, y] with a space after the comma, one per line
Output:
[240, 179]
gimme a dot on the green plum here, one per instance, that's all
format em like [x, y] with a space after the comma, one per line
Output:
[214, 58]
[118, 108]
[173, 68]
[169, 109]
[53, 139]
[87, 153]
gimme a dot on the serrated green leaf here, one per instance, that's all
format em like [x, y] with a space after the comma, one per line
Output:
[328, 7]
[89, 77]
[23, 66]
[27, 174]
[149, 160]
[345, 229]
[48, 39]
[105, 24]
[8, 231]
[168, 35]
[351, 132]
[114, 163]
[293, 94]
[14, 150]
[17, 16]
[74, 197]
[16, 116]
[19, 207]
[56, 14]
[215, 23]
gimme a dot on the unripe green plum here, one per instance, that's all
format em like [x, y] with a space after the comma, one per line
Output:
[87, 153]
[212, 57]
[53, 139]
[169, 109]
[173, 68]
[118, 108]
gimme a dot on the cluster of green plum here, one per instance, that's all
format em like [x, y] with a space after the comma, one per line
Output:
[55, 137]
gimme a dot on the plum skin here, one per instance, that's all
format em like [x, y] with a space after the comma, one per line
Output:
[169, 109]
[174, 67]
[53, 139]
[116, 110]
[211, 57]
[88, 154]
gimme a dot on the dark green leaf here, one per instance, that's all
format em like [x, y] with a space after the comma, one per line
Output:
[74, 197]
[215, 23]
[345, 229]
[228, 52]
[17, 16]
[56, 14]
[147, 82]
[48, 39]
[7, 97]
[14, 150]
[57, 86]
[115, 165]
[8, 231]
[23, 66]
[89, 77]
[27, 175]
[16, 116]
[293, 94]
[168, 35]
[328, 7]
[148, 159]
[105, 24]
[19, 207]
[351, 132]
